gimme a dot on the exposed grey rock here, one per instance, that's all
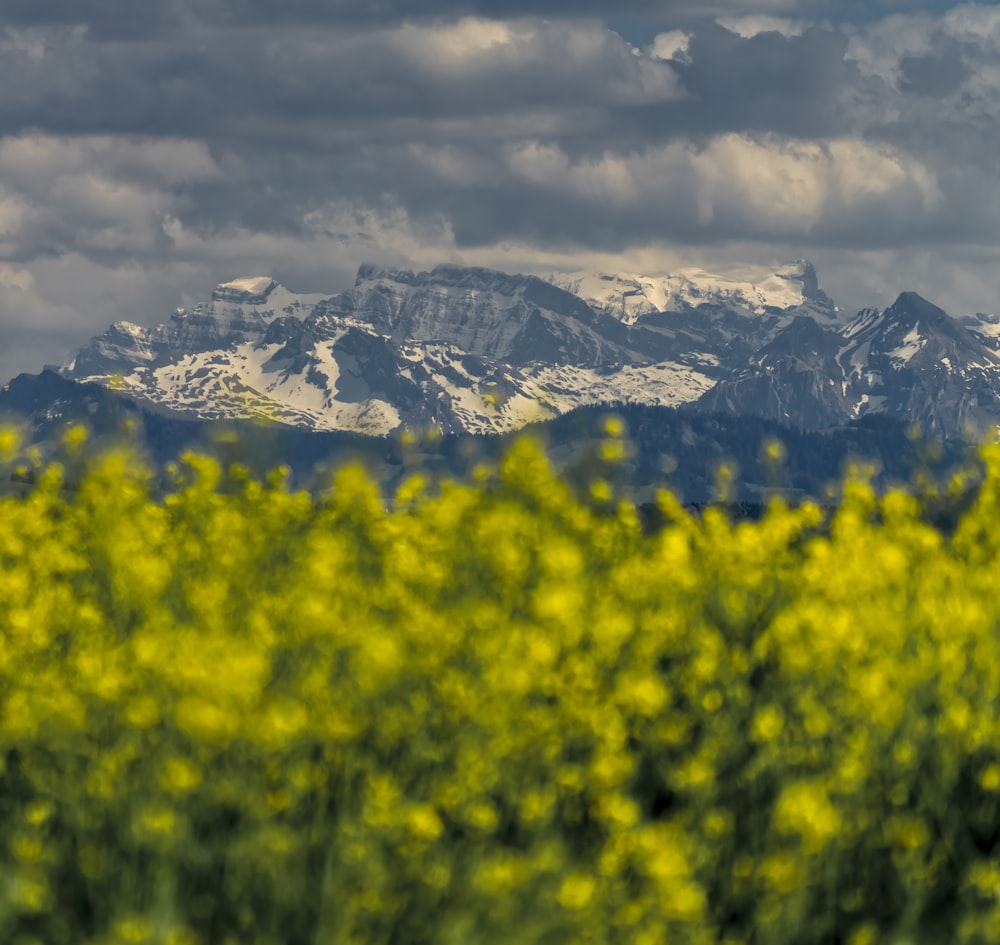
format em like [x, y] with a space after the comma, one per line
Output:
[795, 379]
[911, 361]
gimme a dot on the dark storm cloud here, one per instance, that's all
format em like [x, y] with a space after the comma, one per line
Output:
[443, 117]
[129, 18]
[798, 85]
[936, 73]
[244, 81]
[125, 17]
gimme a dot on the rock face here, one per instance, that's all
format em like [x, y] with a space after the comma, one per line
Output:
[517, 319]
[916, 362]
[476, 350]
[121, 345]
[911, 361]
[795, 379]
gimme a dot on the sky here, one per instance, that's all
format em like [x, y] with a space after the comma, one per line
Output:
[149, 151]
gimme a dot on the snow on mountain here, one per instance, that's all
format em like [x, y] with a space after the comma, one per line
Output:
[251, 382]
[462, 348]
[239, 311]
[984, 325]
[519, 319]
[341, 387]
[476, 350]
[242, 299]
[913, 332]
[915, 361]
[911, 360]
[122, 344]
[755, 290]
[249, 289]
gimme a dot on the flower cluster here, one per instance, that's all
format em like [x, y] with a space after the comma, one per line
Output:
[494, 712]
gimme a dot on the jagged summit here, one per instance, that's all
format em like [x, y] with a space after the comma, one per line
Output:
[915, 331]
[794, 379]
[910, 360]
[519, 319]
[803, 272]
[914, 306]
[370, 272]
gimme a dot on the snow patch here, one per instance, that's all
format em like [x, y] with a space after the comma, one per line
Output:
[868, 403]
[864, 319]
[251, 285]
[912, 343]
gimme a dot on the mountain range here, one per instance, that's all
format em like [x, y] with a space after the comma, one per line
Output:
[476, 351]
[479, 351]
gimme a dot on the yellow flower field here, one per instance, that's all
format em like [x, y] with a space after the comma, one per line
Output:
[496, 713]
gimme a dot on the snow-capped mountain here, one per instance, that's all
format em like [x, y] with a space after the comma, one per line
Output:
[516, 319]
[466, 349]
[476, 350]
[911, 360]
[787, 291]
[239, 311]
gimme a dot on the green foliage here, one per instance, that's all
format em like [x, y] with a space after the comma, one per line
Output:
[497, 713]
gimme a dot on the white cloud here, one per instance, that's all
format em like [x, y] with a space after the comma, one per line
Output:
[472, 42]
[104, 193]
[553, 53]
[16, 277]
[768, 185]
[879, 47]
[978, 24]
[753, 24]
[789, 186]
[671, 45]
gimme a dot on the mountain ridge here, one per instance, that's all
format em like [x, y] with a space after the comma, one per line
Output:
[477, 350]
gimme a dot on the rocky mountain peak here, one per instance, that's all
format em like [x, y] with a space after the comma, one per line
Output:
[251, 290]
[911, 307]
[803, 272]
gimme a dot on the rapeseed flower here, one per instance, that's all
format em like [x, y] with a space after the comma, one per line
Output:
[490, 712]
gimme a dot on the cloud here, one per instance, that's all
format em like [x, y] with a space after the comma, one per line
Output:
[104, 195]
[734, 187]
[113, 18]
[801, 85]
[148, 151]
[671, 45]
[752, 25]
[250, 82]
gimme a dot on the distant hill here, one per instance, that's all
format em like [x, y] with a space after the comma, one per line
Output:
[682, 449]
